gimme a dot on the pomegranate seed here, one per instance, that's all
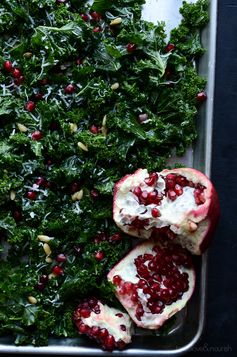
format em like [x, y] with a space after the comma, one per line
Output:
[17, 215]
[100, 255]
[94, 129]
[96, 29]
[85, 313]
[44, 279]
[95, 330]
[172, 195]
[128, 287]
[30, 106]
[43, 82]
[120, 344]
[38, 96]
[36, 135]
[144, 195]
[131, 47]
[40, 181]
[115, 237]
[170, 47]
[57, 270]
[155, 213]
[134, 297]
[152, 179]
[31, 195]
[19, 80]
[16, 73]
[137, 191]
[104, 333]
[109, 342]
[85, 17]
[7, 66]
[178, 190]
[74, 187]
[79, 61]
[61, 258]
[117, 279]
[201, 96]
[83, 328]
[69, 89]
[94, 193]
[96, 16]
[40, 286]
[182, 181]
[152, 197]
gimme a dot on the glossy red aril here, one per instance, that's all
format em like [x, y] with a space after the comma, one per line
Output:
[97, 29]
[180, 204]
[57, 270]
[79, 61]
[153, 281]
[17, 215]
[108, 326]
[7, 65]
[36, 135]
[94, 194]
[74, 187]
[38, 96]
[131, 47]
[30, 106]
[201, 96]
[31, 195]
[16, 73]
[99, 255]
[61, 258]
[170, 47]
[96, 16]
[85, 17]
[94, 129]
[19, 80]
[69, 89]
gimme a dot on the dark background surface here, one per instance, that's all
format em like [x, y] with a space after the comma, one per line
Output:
[220, 336]
[221, 318]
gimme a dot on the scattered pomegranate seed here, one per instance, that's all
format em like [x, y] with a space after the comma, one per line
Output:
[152, 179]
[96, 16]
[96, 29]
[30, 106]
[19, 80]
[94, 193]
[178, 190]
[31, 195]
[109, 342]
[115, 237]
[83, 328]
[7, 66]
[74, 187]
[79, 61]
[201, 96]
[85, 17]
[69, 89]
[155, 212]
[44, 279]
[94, 129]
[131, 47]
[170, 47]
[57, 270]
[100, 255]
[38, 96]
[61, 258]
[43, 82]
[16, 73]
[17, 215]
[40, 286]
[36, 135]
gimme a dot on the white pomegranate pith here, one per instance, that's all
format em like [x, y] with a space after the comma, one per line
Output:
[153, 282]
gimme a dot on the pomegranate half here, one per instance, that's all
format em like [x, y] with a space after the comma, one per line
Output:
[153, 282]
[181, 204]
[110, 327]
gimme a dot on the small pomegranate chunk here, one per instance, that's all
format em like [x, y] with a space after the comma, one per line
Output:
[57, 270]
[85, 17]
[30, 106]
[36, 135]
[31, 195]
[153, 282]
[19, 80]
[16, 73]
[201, 96]
[131, 47]
[170, 47]
[108, 326]
[94, 129]
[7, 65]
[179, 204]
[96, 16]
[69, 89]
[99, 255]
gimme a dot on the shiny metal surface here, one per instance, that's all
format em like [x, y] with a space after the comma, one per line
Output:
[190, 322]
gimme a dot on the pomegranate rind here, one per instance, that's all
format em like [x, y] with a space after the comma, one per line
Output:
[126, 269]
[108, 318]
[205, 215]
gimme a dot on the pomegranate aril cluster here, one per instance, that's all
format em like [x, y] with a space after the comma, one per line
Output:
[100, 334]
[160, 279]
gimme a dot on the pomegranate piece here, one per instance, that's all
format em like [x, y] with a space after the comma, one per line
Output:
[110, 327]
[181, 204]
[153, 282]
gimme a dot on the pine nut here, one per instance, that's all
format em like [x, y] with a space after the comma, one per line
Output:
[116, 21]
[27, 55]
[44, 238]
[73, 127]
[51, 275]
[12, 195]
[48, 260]
[82, 146]
[115, 86]
[104, 120]
[77, 195]
[22, 128]
[32, 300]
[47, 249]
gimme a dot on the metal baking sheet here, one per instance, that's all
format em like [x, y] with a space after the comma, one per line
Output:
[190, 321]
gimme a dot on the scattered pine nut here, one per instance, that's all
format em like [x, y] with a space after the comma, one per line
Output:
[104, 120]
[12, 195]
[115, 86]
[47, 249]
[77, 195]
[32, 300]
[22, 128]
[44, 238]
[73, 127]
[82, 146]
[116, 21]
[48, 260]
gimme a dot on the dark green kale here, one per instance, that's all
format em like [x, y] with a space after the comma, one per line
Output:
[82, 103]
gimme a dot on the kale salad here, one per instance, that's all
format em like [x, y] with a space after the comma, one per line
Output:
[88, 93]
